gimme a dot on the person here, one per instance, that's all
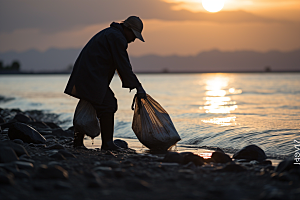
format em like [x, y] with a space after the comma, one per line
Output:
[101, 57]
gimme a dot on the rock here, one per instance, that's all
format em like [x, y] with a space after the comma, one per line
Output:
[6, 179]
[232, 167]
[251, 152]
[8, 124]
[62, 185]
[39, 124]
[66, 154]
[191, 157]
[25, 133]
[59, 132]
[0, 130]
[121, 143]
[2, 120]
[55, 146]
[52, 172]
[287, 165]
[173, 157]
[219, 150]
[93, 180]
[21, 174]
[111, 163]
[7, 155]
[136, 184]
[23, 165]
[19, 149]
[18, 141]
[220, 157]
[58, 156]
[52, 125]
[20, 117]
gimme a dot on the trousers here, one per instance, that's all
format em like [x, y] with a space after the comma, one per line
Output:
[108, 105]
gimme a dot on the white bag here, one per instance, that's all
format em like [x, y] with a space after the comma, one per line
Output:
[152, 125]
[85, 119]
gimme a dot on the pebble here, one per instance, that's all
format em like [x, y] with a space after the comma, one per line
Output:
[251, 152]
[52, 172]
[23, 165]
[7, 155]
[6, 179]
[62, 185]
[18, 141]
[55, 146]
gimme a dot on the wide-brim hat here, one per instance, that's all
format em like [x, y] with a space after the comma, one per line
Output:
[136, 25]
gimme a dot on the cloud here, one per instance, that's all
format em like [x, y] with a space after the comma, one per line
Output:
[59, 15]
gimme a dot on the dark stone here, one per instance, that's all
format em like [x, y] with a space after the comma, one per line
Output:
[62, 185]
[6, 179]
[136, 184]
[7, 155]
[52, 172]
[71, 128]
[18, 141]
[20, 117]
[93, 180]
[8, 124]
[66, 154]
[232, 167]
[25, 133]
[219, 150]
[287, 165]
[2, 120]
[55, 146]
[52, 125]
[173, 157]
[39, 126]
[24, 165]
[191, 157]
[58, 156]
[22, 174]
[251, 152]
[121, 143]
[220, 157]
[59, 132]
[0, 130]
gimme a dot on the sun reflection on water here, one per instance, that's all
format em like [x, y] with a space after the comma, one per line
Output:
[217, 102]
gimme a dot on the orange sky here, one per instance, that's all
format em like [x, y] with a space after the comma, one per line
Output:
[180, 27]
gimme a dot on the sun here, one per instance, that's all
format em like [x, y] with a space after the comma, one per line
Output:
[213, 5]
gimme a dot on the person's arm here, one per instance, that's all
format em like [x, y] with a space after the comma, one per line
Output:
[118, 47]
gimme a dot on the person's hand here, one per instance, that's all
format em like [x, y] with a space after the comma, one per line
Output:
[141, 93]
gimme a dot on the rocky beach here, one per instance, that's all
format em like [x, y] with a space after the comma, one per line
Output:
[38, 161]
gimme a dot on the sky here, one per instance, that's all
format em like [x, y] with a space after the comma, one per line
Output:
[171, 27]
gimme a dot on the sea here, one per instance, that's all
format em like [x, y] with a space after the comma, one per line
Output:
[209, 110]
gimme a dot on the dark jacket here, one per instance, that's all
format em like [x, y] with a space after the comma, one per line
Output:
[96, 65]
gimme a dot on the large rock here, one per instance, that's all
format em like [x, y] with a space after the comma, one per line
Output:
[20, 117]
[251, 152]
[7, 155]
[39, 126]
[25, 133]
[220, 157]
[287, 165]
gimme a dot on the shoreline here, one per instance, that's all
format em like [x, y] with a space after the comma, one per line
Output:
[45, 165]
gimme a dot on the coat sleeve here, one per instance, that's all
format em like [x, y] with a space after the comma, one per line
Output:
[118, 48]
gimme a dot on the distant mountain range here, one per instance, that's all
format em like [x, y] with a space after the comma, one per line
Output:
[58, 60]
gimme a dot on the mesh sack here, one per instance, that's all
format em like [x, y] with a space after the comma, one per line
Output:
[85, 119]
[152, 124]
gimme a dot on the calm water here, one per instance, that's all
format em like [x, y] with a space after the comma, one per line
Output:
[214, 110]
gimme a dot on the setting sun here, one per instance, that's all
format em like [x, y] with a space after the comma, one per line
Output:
[213, 5]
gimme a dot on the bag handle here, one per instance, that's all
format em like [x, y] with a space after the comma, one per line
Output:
[133, 101]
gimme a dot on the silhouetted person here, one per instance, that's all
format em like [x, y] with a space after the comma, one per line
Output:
[94, 69]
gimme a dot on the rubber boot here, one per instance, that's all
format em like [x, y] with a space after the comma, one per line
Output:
[78, 140]
[107, 132]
